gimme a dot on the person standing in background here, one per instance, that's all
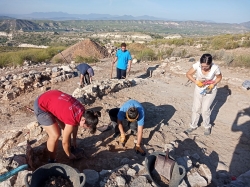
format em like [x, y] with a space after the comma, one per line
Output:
[124, 60]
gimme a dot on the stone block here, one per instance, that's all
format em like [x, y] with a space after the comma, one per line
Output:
[195, 179]
[92, 176]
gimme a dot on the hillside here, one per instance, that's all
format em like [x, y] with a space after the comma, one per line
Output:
[18, 24]
[126, 24]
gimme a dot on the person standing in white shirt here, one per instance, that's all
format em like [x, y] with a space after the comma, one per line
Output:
[208, 75]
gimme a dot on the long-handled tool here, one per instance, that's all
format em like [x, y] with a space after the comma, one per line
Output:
[111, 70]
[62, 56]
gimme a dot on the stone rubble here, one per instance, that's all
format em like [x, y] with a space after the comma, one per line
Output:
[12, 84]
[98, 89]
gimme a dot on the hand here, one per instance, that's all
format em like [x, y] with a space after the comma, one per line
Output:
[122, 139]
[72, 156]
[199, 83]
[138, 149]
[211, 86]
[81, 86]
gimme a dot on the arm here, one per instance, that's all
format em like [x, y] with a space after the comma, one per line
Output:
[90, 79]
[139, 135]
[115, 60]
[218, 79]
[81, 79]
[66, 139]
[190, 74]
[120, 126]
[75, 129]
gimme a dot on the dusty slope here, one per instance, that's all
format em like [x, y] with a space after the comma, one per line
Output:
[84, 48]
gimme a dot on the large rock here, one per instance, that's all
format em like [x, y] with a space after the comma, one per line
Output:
[195, 179]
[141, 181]
[205, 172]
[120, 181]
[92, 176]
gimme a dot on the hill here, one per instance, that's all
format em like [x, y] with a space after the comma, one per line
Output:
[85, 48]
[65, 16]
[18, 24]
[125, 23]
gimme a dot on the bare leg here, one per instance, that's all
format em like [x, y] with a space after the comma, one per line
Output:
[52, 142]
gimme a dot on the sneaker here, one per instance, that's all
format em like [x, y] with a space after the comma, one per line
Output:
[117, 134]
[207, 131]
[189, 130]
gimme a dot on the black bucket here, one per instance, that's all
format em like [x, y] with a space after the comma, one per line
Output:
[176, 176]
[43, 173]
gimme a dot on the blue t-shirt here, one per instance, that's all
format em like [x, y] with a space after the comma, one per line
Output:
[132, 103]
[83, 68]
[123, 58]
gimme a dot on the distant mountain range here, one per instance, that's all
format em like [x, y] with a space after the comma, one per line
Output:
[59, 16]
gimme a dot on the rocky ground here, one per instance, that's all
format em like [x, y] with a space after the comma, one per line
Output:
[163, 90]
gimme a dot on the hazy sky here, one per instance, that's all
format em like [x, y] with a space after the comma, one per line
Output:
[228, 11]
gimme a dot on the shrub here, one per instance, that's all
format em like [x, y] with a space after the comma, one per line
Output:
[36, 55]
[80, 59]
[141, 52]
[246, 44]
[242, 61]
[146, 54]
[228, 58]
[218, 55]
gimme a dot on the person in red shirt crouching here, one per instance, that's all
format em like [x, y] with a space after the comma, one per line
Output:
[54, 110]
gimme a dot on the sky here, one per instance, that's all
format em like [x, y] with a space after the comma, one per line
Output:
[220, 11]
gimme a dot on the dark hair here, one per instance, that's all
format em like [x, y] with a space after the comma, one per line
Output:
[91, 119]
[206, 58]
[132, 112]
[123, 45]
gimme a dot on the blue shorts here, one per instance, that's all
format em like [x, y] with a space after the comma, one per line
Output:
[43, 118]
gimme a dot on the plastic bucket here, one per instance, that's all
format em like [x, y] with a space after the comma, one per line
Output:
[42, 174]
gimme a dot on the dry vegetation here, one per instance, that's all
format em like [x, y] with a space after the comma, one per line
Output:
[223, 47]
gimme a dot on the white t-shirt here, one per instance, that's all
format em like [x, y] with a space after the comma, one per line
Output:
[211, 75]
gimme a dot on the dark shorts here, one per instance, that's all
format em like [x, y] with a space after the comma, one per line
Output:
[43, 118]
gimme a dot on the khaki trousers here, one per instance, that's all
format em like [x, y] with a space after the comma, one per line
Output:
[201, 105]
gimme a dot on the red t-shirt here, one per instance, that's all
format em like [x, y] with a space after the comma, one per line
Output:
[63, 106]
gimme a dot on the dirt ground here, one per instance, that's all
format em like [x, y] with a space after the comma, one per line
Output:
[167, 102]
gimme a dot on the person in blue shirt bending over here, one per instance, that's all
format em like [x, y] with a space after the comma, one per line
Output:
[133, 112]
[86, 73]
[123, 59]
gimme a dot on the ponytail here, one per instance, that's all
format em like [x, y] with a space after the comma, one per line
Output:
[91, 118]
